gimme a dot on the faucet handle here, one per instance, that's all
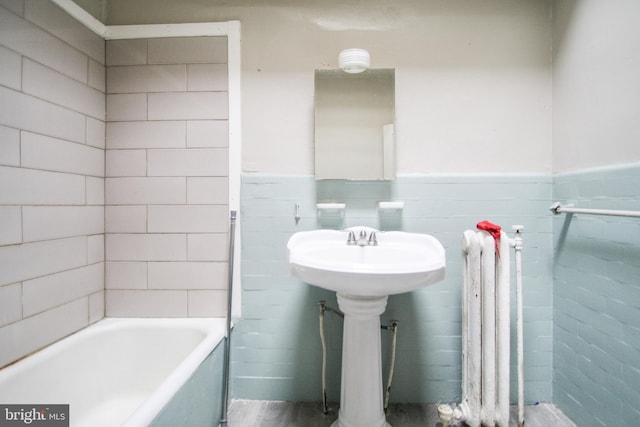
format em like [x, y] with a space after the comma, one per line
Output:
[373, 239]
[351, 240]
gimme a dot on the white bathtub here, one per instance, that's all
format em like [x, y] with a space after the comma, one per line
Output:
[117, 372]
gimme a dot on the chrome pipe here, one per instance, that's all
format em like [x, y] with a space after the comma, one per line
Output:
[227, 347]
[325, 408]
[394, 329]
[322, 308]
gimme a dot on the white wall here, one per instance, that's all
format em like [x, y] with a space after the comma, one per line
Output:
[473, 79]
[596, 84]
[51, 176]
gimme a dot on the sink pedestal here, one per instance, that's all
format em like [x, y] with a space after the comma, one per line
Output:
[361, 397]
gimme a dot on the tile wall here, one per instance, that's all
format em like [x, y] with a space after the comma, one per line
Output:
[277, 351]
[166, 189]
[597, 299]
[52, 126]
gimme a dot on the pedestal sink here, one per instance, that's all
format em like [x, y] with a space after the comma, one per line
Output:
[364, 273]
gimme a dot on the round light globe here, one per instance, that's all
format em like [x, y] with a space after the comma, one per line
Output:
[354, 60]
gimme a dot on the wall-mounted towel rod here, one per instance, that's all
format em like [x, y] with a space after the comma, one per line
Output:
[557, 209]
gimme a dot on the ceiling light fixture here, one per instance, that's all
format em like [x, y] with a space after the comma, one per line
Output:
[354, 60]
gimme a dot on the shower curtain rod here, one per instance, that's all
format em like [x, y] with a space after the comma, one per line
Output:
[557, 209]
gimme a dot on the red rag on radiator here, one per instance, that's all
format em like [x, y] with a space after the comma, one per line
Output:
[492, 229]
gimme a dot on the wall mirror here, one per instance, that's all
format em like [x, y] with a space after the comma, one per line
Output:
[354, 125]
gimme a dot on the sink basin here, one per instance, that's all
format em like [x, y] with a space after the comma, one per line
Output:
[400, 262]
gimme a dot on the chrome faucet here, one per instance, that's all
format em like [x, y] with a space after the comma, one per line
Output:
[362, 239]
[373, 240]
[351, 240]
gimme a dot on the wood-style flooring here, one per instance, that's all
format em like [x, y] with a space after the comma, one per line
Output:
[260, 413]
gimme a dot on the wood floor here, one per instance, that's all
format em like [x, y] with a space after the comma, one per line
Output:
[260, 413]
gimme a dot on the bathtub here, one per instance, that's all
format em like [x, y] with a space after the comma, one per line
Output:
[126, 372]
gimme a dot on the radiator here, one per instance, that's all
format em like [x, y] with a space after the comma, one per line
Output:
[485, 329]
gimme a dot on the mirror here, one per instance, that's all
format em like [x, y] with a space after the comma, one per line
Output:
[354, 125]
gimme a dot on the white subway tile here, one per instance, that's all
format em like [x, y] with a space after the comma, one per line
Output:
[126, 275]
[207, 133]
[30, 260]
[186, 50]
[10, 68]
[43, 152]
[53, 290]
[208, 247]
[207, 190]
[207, 303]
[21, 338]
[207, 77]
[125, 303]
[48, 84]
[39, 45]
[96, 306]
[32, 187]
[128, 135]
[187, 275]
[188, 106]
[54, 222]
[95, 190]
[189, 162]
[9, 146]
[16, 6]
[95, 249]
[126, 107]
[145, 191]
[146, 247]
[10, 303]
[126, 163]
[10, 225]
[96, 132]
[50, 17]
[126, 219]
[126, 52]
[25, 112]
[146, 78]
[97, 76]
[187, 219]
